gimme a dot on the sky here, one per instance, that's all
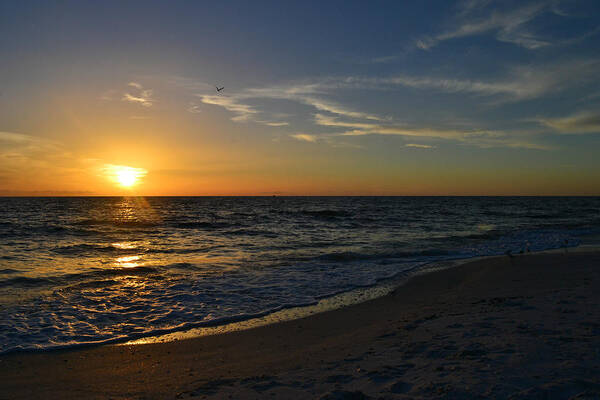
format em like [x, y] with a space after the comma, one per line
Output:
[473, 97]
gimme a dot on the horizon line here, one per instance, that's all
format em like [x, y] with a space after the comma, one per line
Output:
[307, 195]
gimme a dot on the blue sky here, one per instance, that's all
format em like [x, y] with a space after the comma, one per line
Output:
[474, 91]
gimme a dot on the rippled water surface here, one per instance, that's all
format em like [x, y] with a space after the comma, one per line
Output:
[92, 270]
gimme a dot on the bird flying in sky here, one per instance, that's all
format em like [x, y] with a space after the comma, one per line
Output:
[220, 88]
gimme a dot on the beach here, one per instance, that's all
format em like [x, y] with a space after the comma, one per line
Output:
[300, 200]
[503, 327]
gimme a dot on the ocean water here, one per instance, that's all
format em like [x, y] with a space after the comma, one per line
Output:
[78, 271]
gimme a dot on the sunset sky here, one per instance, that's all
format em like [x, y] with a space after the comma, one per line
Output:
[476, 97]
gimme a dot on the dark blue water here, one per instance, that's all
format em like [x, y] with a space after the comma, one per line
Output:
[92, 270]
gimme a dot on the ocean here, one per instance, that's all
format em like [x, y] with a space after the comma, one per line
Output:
[76, 271]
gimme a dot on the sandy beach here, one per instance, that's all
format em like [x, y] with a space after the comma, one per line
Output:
[521, 327]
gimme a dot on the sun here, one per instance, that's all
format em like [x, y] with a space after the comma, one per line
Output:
[124, 176]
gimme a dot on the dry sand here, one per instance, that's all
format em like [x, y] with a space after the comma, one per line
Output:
[522, 327]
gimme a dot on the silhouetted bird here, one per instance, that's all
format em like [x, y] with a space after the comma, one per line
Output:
[219, 88]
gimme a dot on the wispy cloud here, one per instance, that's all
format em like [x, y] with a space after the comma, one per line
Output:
[238, 103]
[580, 123]
[12, 137]
[521, 82]
[273, 123]
[140, 95]
[230, 103]
[304, 137]
[22, 154]
[327, 139]
[194, 108]
[326, 120]
[109, 95]
[310, 94]
[338, 109]
[419, 146]
[12, 140]
[467, 6]
[368, 128]
[476, 137]
[511, 25]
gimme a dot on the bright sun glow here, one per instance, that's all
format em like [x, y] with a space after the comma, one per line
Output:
[124, 176]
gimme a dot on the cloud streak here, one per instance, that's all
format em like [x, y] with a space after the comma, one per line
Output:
[476, 137]
[29, 156]
[140, 95]
[518, 83]
[580, 123]
[510, 26]
[521, 82]
[29, 143]
[273, 123]
[238, 103]
[304, 137]
[232, 104]
[354, 123]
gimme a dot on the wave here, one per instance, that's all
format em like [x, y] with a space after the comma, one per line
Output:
[93, 275]
[203, 225]
[81, 341]
[87, 248]
[185, 326]
[176, 250]
[496, 213]
[487, 235]
[324, 213]
[116, 223]
[545, 215]
[25, 230]
[7, 271]
[23, 281]
[352, 256]
[252, 232]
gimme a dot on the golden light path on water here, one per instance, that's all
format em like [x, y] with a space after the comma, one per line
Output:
[128, 261]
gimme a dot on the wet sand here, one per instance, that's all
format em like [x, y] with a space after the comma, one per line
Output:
[521, 327]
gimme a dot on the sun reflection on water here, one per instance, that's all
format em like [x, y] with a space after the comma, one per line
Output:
[135, 210]
[128, 261]
[124, 245]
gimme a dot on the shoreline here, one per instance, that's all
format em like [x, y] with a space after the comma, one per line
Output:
[330, 303]
[325, 304]
[493, 327]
